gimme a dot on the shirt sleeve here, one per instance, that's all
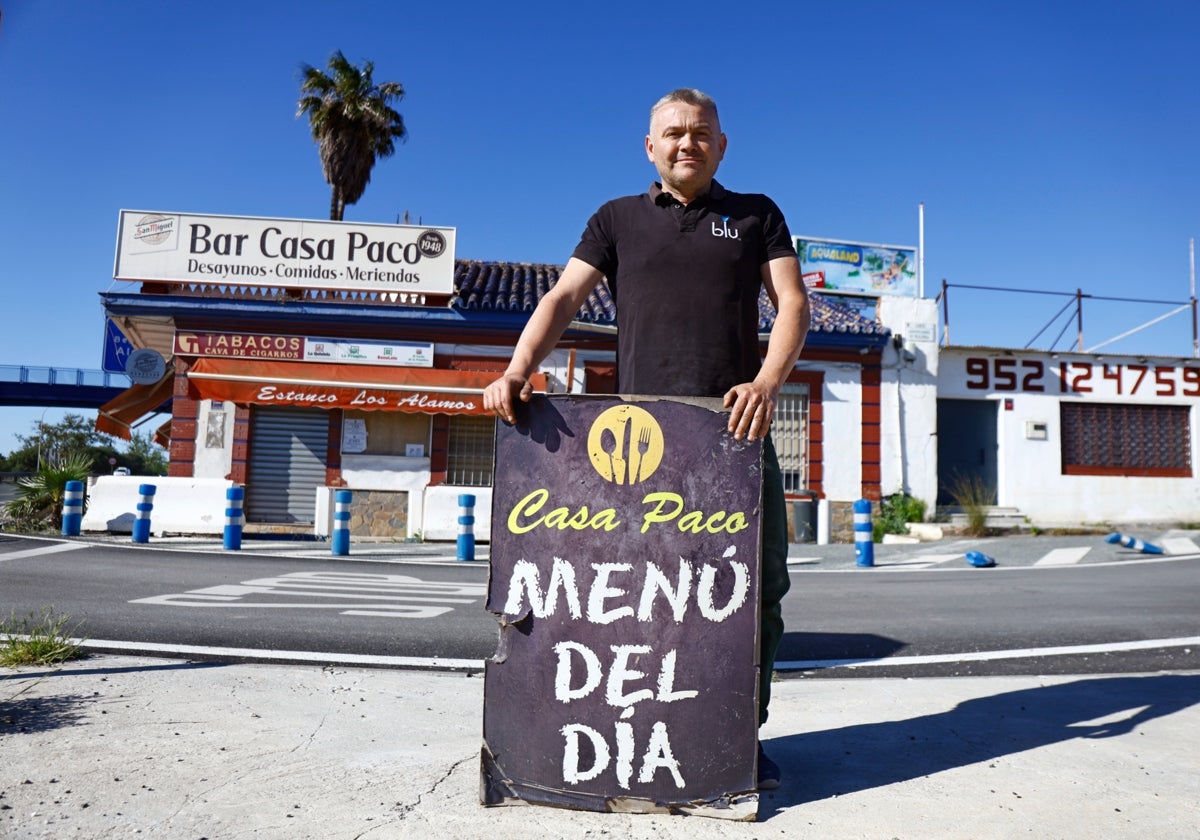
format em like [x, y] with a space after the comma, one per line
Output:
[776, 236]
[597, 246]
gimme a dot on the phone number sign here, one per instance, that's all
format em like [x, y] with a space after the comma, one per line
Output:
[975, 375]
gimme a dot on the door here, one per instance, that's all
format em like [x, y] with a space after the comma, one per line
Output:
[967, 448]
[286, 463]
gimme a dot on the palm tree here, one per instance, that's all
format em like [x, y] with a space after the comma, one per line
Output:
[352, 122]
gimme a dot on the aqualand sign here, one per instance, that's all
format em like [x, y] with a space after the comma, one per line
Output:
[624, 572]
[857, 268]
[284, 253]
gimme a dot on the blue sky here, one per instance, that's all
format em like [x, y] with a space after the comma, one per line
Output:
[1054, 144]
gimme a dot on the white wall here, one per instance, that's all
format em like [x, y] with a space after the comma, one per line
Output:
[214, 453]
[441, 512]
[1030, 476]
[842, 427]
[181, 505]
[908, 399]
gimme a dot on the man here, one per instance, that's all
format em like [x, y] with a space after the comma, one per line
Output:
[685, 263]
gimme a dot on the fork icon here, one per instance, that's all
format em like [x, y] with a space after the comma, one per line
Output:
[643, 444]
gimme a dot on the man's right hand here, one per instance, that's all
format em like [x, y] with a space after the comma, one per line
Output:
[498, 397]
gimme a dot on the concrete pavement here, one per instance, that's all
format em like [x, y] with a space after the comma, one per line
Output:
[118, 746]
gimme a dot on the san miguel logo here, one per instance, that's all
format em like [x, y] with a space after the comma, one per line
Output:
[624, 573]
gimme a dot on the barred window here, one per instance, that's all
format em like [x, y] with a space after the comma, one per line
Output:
[1127, 440]
[789, 432]
[471, 450]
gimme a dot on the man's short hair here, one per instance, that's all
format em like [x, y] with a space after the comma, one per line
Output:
[688, 96]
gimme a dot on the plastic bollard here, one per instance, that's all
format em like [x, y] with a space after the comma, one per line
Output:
[466, 527]
[234, 496]
[340, 541]
[141, 525]
[1134, 543]
[864, 537]
[72, 509]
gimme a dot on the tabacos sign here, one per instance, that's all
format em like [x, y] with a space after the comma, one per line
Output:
[624, 572]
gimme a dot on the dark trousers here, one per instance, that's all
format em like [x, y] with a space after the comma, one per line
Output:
[773, 578]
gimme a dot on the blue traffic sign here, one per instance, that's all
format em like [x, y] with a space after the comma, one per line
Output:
[116, 348]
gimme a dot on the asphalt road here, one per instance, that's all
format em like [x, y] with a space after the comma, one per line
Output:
[919, 610]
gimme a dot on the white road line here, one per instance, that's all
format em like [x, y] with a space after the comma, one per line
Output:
[291, 655]
[1063, 556]
[52, 548]
[988, 655]
[1178, 545]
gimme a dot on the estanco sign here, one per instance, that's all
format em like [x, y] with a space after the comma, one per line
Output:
[284, 253]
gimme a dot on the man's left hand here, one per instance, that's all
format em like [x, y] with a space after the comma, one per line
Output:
[752, 407]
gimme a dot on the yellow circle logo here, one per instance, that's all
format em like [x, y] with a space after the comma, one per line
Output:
[625, 444]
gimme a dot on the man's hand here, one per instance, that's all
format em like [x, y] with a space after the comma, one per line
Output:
[498, 397]
[752, 407]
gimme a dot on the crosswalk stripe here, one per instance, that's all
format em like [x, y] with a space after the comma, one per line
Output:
[52, 548]
[1063, 556]
[1179, 545]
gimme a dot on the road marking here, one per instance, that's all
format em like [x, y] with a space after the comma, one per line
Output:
[1179, 545]
[1063, 556]
[923, 561]
[284, 655]
[987, 655]
[377, 595]
[53, 548]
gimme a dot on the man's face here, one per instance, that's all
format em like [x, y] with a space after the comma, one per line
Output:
[686, 146]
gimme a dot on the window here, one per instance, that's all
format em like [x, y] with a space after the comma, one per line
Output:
[385, 433]
[470, 450]
[789, 432]
[1128, 440]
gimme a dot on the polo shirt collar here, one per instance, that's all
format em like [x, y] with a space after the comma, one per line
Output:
[664, 199]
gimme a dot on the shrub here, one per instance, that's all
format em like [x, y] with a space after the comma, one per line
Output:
[37, 640]
[895, 512]
[974, 497]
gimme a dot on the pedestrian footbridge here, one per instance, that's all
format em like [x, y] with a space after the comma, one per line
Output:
[56, 387]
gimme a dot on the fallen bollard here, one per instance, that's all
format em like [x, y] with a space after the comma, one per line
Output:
[1133, 542]
[979, 559]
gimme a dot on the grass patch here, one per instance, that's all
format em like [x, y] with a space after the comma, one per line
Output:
[974, 497]
[40, 639]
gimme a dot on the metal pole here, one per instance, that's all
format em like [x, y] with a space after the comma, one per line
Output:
[1195, 335]
[921, 250]
[1079, 320]
[945, 313]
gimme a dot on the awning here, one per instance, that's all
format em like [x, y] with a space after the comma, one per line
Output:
[347, 386]
[119, 414]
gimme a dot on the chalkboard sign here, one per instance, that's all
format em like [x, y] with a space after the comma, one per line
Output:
[624, 573]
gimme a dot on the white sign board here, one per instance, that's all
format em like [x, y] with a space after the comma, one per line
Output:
[284, 253]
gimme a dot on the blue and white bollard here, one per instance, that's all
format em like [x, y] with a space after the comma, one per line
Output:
[340, 541]
[466, 527]
[141, 525]
[72, 509]
[864, 537]
[234, 496]
[1133, 542]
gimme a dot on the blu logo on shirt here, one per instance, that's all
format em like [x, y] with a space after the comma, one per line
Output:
[724, 231]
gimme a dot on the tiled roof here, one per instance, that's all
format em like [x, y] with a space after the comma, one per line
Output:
[517, 287]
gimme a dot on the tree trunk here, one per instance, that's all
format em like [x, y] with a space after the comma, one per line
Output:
[336, 207]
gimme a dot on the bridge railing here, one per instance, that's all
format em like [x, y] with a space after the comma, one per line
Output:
[62, 376]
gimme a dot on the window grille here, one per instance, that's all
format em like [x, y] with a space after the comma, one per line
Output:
[471, 450]
[789, 432]
[1129, 440]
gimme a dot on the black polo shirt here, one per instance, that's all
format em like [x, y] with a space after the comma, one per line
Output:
[686, 282]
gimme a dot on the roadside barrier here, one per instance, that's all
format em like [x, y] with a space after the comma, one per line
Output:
[340, 540]
[1133, 542]
[72, 509]
[234, 520]
[466, 527]
[141, 525]
[864, 536]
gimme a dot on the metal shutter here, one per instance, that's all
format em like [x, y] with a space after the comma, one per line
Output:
[286, 464]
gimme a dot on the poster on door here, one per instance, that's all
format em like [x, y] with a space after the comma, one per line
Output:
[624, 574]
